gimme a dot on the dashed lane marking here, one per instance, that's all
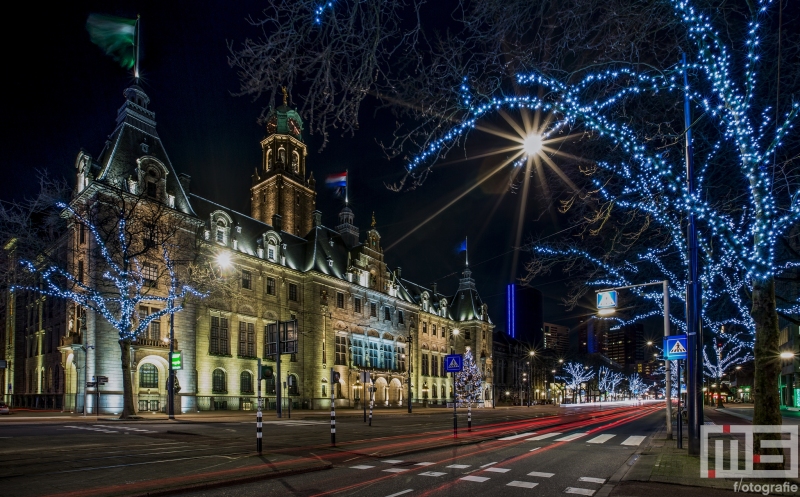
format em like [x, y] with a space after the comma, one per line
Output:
[544, 437]
[522, 484]
[401, 493]
[521, 435]
[489, 464]
[479, 479]
[535, 448]
[395, 470]
[91, 429]
[591, 480]
[541, 475]
[579, 491]
[392, 461]
[432, 473]
[633, 440]
[571, 437]
[425, 464]
[498, 470]
[600, 439]
[459, 466]
[361, 466]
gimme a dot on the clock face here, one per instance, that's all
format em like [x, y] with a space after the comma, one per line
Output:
[272, 125]
[294, 128]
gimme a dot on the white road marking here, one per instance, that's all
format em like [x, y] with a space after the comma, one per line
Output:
[425, 464]
[541, 475]
[361, 466]
[542, 437]
[633, 440]
[591, 480]
[459, 466]
[521, 435]
[479, 479]
[499, 470]
[392, 461]
[401, 493]
[535, 448]
[600, 439]
[523, 484]
[571, 437]
[489, 464]
[579, 491]
[395, 470]
[432, 473]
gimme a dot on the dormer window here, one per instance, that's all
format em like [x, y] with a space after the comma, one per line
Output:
[271, 251]
[221, 228]
[151, 188]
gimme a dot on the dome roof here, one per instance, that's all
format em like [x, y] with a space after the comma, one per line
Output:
[284, 120]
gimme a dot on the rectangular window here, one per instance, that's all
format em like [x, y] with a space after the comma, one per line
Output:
[358, 353]
[151, 189]
[373, 309]
[219, 336]
[357, 305]
[82, 234]
[387, 314]
[341, 351]
[150, 274]
[401, 358]
[373, 355]
[425, 328]
[270, 286]
[247, 280]
[467, 335]
[271, 253]
[400, 317]
[246, 340]
[221, 235]
[388, 356]
[443, 331]
[340, 300]
[293, 292]
[80, 272]
[434, 365]
[433, 330]
[425, 370]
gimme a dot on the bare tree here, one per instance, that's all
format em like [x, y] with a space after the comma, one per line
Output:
[575, 374]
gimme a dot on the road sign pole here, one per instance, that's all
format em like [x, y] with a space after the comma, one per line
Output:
[680, 413]
[455, 416]
[371, 400]
[667, 362]
[278, 400]
[258, 412]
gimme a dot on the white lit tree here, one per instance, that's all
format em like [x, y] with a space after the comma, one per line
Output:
[574, 375]
[726, 351]
[126, 233]
[635, 385]
[608, 381]
[469, 381]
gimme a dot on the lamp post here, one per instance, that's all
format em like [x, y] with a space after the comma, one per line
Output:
[408, 367]
[532, 370]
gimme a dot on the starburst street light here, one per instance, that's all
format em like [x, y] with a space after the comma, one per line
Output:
[532, 144]
[224, 260]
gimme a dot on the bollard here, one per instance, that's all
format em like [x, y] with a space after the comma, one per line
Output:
[469, 416]
[371, 403]
[258, 430]
[333, 423]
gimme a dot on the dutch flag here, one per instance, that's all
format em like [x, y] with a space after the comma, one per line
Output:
[338, 180]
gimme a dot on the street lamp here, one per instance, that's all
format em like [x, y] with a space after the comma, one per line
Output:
[532, 370]
[408, 368]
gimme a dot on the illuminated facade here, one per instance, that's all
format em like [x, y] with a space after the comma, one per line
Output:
[354, 313]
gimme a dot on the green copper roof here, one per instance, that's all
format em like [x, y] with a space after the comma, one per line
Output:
[285, 121]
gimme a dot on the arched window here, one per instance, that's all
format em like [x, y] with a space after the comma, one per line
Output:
[269, 159]
[148, 376]
[444, 395]
[282, 155]
[220, 236]
[218, 383]
[246, 382]
[291, 385]
[295, 162]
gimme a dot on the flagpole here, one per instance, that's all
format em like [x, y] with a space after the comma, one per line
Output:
[136, 47]
[466, 250]
[346, 186]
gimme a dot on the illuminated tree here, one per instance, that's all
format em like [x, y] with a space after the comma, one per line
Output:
[726, 351]
[575, 374]
[635, 384]
[608, 381]
[133, 246]
[469, 381]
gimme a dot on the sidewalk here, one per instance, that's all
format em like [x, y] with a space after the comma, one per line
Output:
[662, 466]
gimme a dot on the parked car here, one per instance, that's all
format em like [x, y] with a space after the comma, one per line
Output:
[4, 409]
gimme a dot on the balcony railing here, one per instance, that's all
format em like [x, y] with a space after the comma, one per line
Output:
[150, 342]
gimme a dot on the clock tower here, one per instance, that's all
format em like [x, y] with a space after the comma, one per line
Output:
[282, 195]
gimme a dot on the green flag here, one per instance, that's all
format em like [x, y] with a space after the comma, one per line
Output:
[115, 35]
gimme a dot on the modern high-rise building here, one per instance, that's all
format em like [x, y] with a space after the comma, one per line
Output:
[556, 338]
[524, 315]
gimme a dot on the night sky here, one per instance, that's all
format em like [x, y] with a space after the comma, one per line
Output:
[62, 94]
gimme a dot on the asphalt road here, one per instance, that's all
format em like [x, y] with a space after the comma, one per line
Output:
[575, 458]
[415, 454]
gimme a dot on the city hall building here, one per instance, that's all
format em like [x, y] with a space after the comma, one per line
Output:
[280, 262]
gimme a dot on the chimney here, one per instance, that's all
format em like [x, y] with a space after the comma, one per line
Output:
[434, 287]
[317, 216]
[185, 181]
[399, 272]
[277, 223]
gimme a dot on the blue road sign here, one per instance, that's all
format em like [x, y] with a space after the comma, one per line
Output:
[453, 363]
[607, 300]
[675, 347]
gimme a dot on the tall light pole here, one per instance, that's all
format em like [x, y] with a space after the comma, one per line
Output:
[532, 371]
[408, 367]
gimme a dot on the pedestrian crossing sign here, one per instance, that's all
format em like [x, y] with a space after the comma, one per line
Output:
[675, 347]
[607, 299]
[453, 363]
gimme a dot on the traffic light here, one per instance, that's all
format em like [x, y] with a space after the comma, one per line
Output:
[266, 372]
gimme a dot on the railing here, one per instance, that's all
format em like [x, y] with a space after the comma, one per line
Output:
[239, 403]
[149, 342]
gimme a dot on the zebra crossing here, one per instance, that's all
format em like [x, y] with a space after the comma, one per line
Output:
[110, 429]
[631, 441]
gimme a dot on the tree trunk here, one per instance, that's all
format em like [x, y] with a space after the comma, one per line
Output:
[719, 393]
[766, 397]
[128, 410]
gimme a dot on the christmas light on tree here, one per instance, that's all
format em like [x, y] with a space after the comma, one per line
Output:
[469, 381]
